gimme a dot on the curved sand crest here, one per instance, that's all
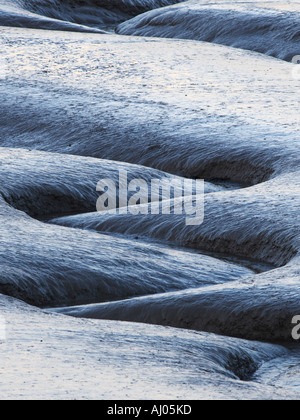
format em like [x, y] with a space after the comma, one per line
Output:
[95, 13]
[13, 16]
[258, 310]
[156, 362]
[179, 108]
[53, 184]
[256, 26]
[261, 222]
[71, 266]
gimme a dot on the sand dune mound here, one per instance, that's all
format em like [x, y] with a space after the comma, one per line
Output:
[267, 27]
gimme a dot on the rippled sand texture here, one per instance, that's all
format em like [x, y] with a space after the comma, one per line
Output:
[267, 27]
[51, 356]
[140, 306]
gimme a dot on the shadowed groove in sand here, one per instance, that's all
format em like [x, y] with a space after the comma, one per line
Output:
[73, 15]
[56, 184]
[261, 309]
[13, 16]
